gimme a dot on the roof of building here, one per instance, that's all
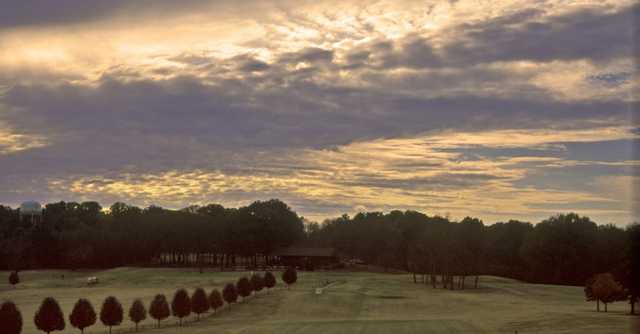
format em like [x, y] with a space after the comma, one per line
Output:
[306, 252]
[30, 207]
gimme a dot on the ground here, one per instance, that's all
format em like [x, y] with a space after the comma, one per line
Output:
[356, 302]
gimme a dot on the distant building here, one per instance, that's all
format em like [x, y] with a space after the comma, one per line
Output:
[307, 257]
[31, 211]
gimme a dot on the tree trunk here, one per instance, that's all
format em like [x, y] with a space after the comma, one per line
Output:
[598, 305]
[605, 307]
[633, 305]
[414, 278]
[476, 282]
[136, 326]
[109, 329]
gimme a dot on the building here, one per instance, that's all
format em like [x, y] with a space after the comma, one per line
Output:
[31, 212]
[307, 257]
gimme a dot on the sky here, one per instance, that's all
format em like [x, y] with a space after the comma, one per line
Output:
[511, 109]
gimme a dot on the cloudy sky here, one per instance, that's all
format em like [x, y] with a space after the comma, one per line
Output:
[497, 109]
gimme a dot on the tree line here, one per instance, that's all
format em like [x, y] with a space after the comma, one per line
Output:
[49, 317]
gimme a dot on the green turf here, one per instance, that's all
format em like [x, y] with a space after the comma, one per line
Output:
[357, 302]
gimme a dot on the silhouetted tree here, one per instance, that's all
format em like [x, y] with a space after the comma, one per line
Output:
[137, 312]
[181, 305]
[199, 302]
[215, 300]
[10, 318]
[243, 286]
[257, 282]
[289, 276]
[83, 315]
[604, 288]
[269, 280]
[230, 294]
[14, 278]
[111, 313]
[49, 317]
[159, 308]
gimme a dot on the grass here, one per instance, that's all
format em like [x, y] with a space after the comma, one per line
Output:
[356, 302]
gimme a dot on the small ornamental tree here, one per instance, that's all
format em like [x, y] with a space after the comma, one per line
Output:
[230, 294]
[215, 300]
[83, 315]
[49, 317]
[289, 276]
[111, 313]
[257, 282]
[14, 278]
[137, 312]
[159, 308]
[244, 287]
[181, 305]
[604, 288]
[199, 302]
[269, 280]
[10, 318]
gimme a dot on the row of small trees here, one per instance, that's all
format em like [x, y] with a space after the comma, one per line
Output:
[49, 317]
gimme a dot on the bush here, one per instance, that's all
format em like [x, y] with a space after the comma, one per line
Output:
[290, 276]
[49, 317]
[199, 302]
[83, 315]
[159, 308]
[244, 287]
[269, 280]
[111, 313]
[14, 278]
[181, 305]
[215, 300]
[230, 294]
[137, 312]
[257, 282]
[10, 318]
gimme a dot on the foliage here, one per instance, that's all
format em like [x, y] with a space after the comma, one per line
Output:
[269, 280]
[10, 318]
[83, 315]
[159, 308]
[199, 302]
[289, 276]
[257, 282]
[229, 293]
[137, 312]
[111, 313]
[215, 300]
[181, 304]
[244, 288]
[49, 316]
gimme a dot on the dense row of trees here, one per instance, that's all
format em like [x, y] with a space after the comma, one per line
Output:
[80, 235]
[50, 317]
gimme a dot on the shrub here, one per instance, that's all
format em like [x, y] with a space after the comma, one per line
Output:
[14, 278]
[257, 282]
[137, 312]
[290, 276]
[181, 305]
[10, 318]
[215, 300]
[111, 313]
[159, 308]
[49, 317]
[269, 280]
[244, 287]
[230, 294]
[199, 302]
[82, 315]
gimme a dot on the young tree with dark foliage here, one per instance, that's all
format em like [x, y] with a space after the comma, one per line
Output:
[604, 288]
[230, 294]
[181, 305]
[289, 276]
[215, 300]
[111, 313]
[83, 315]
[269, 280]
[137, 312]
[257, 282]
[199, 302]
[159, 308]
[244, 287]
[632, 272]
[10, 318]
[14, 278]
[49, 317]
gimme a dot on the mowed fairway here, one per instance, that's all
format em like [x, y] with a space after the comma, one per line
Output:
[357, 302]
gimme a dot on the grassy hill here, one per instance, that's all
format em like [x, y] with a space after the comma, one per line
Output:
[356, 302]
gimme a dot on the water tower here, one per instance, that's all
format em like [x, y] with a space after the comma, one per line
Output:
[31, 211]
